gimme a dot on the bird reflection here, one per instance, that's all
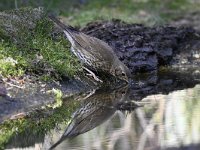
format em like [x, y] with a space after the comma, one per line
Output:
[94, 110]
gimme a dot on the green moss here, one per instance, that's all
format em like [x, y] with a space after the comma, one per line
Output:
[35, 51]
[10, 65]
[58, 98]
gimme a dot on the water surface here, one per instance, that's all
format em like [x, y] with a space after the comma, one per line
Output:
[155, 112]
[168, 121]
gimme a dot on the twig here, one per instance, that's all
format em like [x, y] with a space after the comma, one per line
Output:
[14, 85]
[92, 74]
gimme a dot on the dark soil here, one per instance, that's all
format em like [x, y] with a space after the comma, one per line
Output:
[145, 49]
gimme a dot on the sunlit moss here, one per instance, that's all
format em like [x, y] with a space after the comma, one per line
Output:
[36, 52]
[10, 65]
[58, 98]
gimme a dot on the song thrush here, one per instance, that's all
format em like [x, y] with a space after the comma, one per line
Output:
[94, 53]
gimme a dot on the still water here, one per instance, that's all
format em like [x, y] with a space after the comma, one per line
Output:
[153, 114]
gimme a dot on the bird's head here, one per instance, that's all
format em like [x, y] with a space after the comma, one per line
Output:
[121, 71]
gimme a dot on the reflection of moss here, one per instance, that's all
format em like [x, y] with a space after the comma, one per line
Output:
[38, 123]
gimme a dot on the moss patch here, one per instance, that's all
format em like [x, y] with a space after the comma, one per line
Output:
[33, 50]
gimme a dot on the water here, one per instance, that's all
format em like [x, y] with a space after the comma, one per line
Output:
[168, 121]
[153, 113]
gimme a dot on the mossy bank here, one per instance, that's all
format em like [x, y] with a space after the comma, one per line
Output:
[33, 61]
[27, 47]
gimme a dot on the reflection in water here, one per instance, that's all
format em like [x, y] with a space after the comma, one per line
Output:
[166, 122]
[169, 120]
[95, 109]
[185, 118]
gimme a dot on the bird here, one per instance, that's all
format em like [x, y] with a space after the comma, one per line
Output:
[93, 53]
[94, 110]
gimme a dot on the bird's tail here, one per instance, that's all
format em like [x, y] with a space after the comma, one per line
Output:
[67, 28]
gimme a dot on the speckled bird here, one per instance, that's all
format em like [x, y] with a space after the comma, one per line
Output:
[94, 53]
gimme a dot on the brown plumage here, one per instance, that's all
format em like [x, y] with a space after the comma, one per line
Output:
[94, 53]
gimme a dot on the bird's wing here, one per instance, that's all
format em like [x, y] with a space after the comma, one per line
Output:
[95, 47]
[90, 46]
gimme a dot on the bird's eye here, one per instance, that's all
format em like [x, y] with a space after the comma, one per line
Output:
[123, 74]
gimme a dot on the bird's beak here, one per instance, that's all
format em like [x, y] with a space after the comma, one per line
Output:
[127, 79]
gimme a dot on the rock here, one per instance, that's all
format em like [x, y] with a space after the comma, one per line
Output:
[14, 21]
[3, 91]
